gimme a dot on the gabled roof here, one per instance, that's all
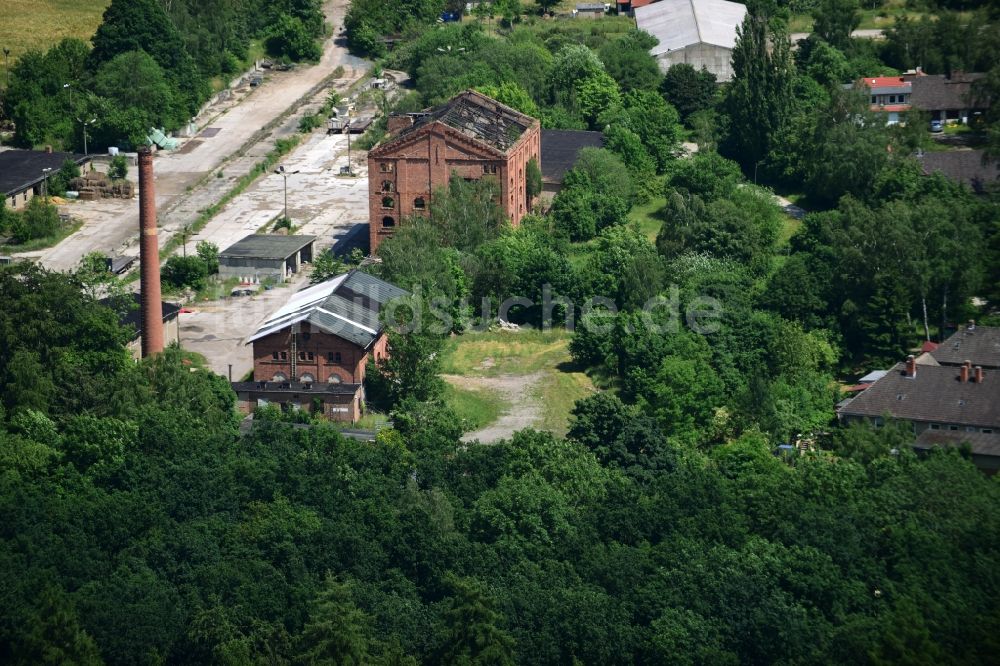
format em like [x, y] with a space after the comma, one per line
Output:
[981, 443]
[962, 166]
[979, 344]
[347, 306]
[21, 169]
[478, 117]
[934, 395]
[680, 23]
[560, 149]
[939, 93]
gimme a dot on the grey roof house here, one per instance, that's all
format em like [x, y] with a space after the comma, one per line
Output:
[560, 149]
[967, 167]
[261, 256]
[946, 98]
[956, 405]
[22, 172]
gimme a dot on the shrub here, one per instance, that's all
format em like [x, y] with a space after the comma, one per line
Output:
[119, 168]
[185, 272]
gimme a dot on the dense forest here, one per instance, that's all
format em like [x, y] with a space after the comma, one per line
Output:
[153, 64]
[139, 523]
[140, 527]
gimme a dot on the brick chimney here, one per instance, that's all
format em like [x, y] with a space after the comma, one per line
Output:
[398, 122]
[979, 374]
[149, 260]
[911, 366]
[963, 373]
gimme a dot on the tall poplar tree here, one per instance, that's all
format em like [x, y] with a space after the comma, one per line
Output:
[760, 96]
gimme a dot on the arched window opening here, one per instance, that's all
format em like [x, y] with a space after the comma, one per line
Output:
[388, 202]
[388, 222]
[419, 203]
[387, 186]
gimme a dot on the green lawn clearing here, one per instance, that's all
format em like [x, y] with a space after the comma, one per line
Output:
[555, 389]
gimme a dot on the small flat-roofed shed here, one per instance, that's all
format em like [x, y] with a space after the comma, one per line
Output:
[261, 256]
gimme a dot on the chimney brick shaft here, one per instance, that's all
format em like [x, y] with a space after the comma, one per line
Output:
[963, 374]
[979, 374]
[149, 259]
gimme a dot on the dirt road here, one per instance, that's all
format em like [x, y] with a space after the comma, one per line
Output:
[226, 129]
[517, 391]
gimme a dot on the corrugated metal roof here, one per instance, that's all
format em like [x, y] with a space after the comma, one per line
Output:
[680, 23]
[347, 306]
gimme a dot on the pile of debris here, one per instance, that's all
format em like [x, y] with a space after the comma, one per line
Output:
[97, 185]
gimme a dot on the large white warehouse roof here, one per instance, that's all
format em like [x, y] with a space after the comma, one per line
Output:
[681, 23]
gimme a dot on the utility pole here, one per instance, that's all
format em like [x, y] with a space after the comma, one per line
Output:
[85, 123]
[45, 182]
[285, 174]
[6, 67]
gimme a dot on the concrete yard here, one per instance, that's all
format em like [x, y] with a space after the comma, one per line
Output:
[230, 141]
[218, 329]
[320, 202]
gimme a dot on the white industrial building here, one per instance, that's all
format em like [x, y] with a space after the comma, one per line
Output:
[701, 33]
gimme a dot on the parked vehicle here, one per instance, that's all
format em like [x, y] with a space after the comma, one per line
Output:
[937, 126]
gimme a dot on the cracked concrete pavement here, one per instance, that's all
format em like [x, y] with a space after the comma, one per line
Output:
[230, 142]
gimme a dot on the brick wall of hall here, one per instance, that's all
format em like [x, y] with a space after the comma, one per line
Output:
[428, 165]
[323, 347]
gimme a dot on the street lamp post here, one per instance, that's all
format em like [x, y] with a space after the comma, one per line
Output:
[6, 67]
[45, 181]
[285, 174]
[85, 123]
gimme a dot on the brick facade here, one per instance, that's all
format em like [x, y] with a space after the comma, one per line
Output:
[320, 356]
[404, 172]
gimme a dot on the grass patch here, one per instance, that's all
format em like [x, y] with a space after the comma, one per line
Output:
[557, 393]
[523, 353]
[368, 421]
[44, 242]
[647, 216]
[39, 24]
[789, 225]
[475, 408]
[505, 353]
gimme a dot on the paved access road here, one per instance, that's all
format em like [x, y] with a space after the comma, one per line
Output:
[111, 226]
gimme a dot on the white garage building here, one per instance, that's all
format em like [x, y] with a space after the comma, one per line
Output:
[701, 33]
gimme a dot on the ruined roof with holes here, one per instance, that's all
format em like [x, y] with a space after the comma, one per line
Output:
[478, 117]
[347, 306]
[980, 344]
[935, 395]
